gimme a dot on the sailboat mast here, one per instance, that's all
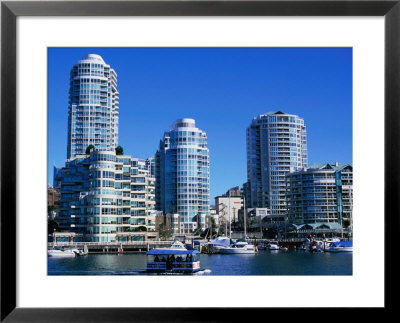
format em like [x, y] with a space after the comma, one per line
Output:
[244, 215]
[229, 212]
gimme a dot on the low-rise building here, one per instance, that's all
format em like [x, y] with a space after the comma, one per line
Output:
[234, 192]
[53, 197]
[169, 221]
[227, 208]
[320, 194]
[178, 226]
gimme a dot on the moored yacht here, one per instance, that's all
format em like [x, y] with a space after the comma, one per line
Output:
[241, 247]
[62, 252]
[341, 246]
[214, 246]
[326, 243]
[273, 245]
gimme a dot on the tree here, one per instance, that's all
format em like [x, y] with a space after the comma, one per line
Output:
[213, 226]
[88, 149]
[50, 208]
[165, 232]
[119, 150]
[52, 226]
[141, 228]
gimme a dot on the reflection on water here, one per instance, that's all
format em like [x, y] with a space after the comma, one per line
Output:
[264, 263]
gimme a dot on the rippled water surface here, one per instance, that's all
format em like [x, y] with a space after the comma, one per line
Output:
[263, 263]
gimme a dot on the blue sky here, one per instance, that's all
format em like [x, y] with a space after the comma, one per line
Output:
[222, 89]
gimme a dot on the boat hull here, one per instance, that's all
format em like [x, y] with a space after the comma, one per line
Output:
[61, 254]
[177, 267]
[344, 249]
[237, 251]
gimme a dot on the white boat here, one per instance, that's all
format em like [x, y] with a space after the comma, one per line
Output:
[176, 245]
[341, 246]
[241, 247]
[273, 245]
[83, 252]
[215, 245]
[326, 243]
[60, 252]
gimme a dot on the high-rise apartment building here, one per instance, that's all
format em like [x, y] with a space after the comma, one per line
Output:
[183, 174]
[276, 145]
[93, 106]
[104, 194]
[320, 194]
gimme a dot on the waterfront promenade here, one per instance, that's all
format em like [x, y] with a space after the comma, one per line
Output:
[105, 247]
[143, 246]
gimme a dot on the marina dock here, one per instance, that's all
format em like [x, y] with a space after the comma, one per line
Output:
[143, 246]
[112, 247]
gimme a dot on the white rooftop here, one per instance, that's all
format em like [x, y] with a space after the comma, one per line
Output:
[93, 58]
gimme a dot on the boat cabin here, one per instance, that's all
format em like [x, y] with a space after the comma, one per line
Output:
[176, 261]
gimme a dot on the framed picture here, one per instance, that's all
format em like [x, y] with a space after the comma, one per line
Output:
[183, 24]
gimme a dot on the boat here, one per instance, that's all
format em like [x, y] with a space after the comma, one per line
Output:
[283, 248]
[315, 246]
[305, 245]
[215, 245]
[175, 259]
[262, 245]
[174, 245]
[83, 252]
[341, 246]
[241, 247]
[273, 245]
[326, 243]
[61, 252]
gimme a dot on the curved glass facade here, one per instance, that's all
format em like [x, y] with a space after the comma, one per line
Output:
[276, 145]
[93, 106]
[183, 172]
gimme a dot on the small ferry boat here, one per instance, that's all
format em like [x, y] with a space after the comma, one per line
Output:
[240, 247]
[341, 246]
[175, 259]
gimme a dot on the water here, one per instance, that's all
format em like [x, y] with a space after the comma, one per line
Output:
[263, 263]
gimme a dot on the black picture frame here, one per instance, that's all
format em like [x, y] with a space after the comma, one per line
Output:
[10, 10]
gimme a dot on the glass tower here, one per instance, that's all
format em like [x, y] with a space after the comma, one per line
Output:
[93, 106]
[276, 145]
[183, 173]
